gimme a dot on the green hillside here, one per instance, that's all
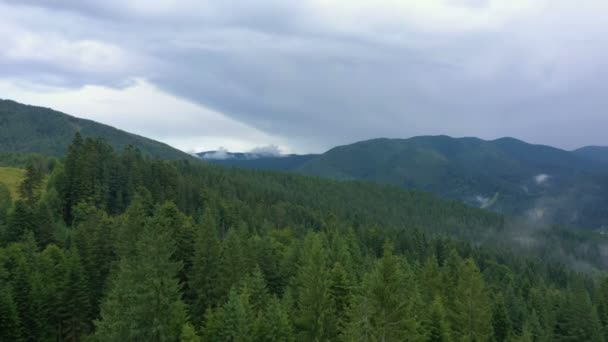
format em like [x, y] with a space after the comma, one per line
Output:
[30, 129]
[597, 153]
[506, 175]
[126, 248]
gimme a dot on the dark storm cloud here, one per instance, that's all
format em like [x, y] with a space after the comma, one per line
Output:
[326, 72]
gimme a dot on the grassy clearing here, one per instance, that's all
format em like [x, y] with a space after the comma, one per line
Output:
[11, 177]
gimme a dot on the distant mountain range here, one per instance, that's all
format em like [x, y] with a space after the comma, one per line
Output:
[31, 129]
[507, 175]
[537, 182]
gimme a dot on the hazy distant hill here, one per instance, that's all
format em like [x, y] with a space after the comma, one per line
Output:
[596, 153]
[506, 175]
[30, 129]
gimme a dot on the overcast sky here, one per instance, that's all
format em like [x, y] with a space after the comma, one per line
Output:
[306, 75]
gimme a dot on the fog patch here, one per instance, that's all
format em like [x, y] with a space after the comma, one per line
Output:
[541, 178]
[486, 202]
[221, 154]
[266, 151]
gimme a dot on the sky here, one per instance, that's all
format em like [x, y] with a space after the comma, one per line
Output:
[304, 76]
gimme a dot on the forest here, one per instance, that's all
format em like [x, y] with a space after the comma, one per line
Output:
[102, 245]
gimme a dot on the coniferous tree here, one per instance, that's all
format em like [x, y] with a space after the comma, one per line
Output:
[188, 334]
[471, 314]
[384, 309]
[9, 319]
[5, 204]
[314, 316]
[233, 322]
[28, 310]
[501, 323]
[274, 324]
[144, 302]
[255, 285]
[29, 189]
[205, 276]
[576, 320]
[436, 325]
[20, 221]
[602, 307]
[53, 272]
[75, 310]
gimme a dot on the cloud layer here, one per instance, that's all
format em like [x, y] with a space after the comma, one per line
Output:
[312, 74]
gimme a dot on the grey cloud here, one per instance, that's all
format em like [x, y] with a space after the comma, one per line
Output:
[281, 68]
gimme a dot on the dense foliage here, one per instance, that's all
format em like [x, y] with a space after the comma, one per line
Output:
[547, 184]
[31, 129]
[119, 247]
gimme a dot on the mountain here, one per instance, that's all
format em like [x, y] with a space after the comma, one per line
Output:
[31, 129]
[596, 153]
[506, 175]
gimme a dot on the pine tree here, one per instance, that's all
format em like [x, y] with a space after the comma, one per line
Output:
[53, 272]
[28, 311]
[274, 324]
[75, 308]
[384, 309]
[341, 294]
[436, 326]
[6, 202]
[602, 307]
[471, 314]
[144, 301]
[501, 323]
[45, 227]
[233, 262]
[576, 320]
[255, 285]
[9, 319]
[29, 189]
[314, 318]
[20, 221]
[205, 277]
[188, 334]
[234, 322]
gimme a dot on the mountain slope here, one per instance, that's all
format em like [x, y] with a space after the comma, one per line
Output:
[596, 153]
[505, 175]
[31, 129]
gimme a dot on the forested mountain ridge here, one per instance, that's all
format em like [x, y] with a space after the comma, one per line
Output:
[597, 153]
[31, 129]
[540, 183]
[124, 248]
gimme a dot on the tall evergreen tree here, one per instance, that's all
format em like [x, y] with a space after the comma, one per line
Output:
[314, 316]
[9, 319]
[602, 307]
[205, 277]
[501, 323]
[75, 310]
[384, 309]
[234, 322]
[274, 324]
[471, 314]
[436, 325]
[29, 189]
[20, 221]
[576, 319]
[144, 302]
